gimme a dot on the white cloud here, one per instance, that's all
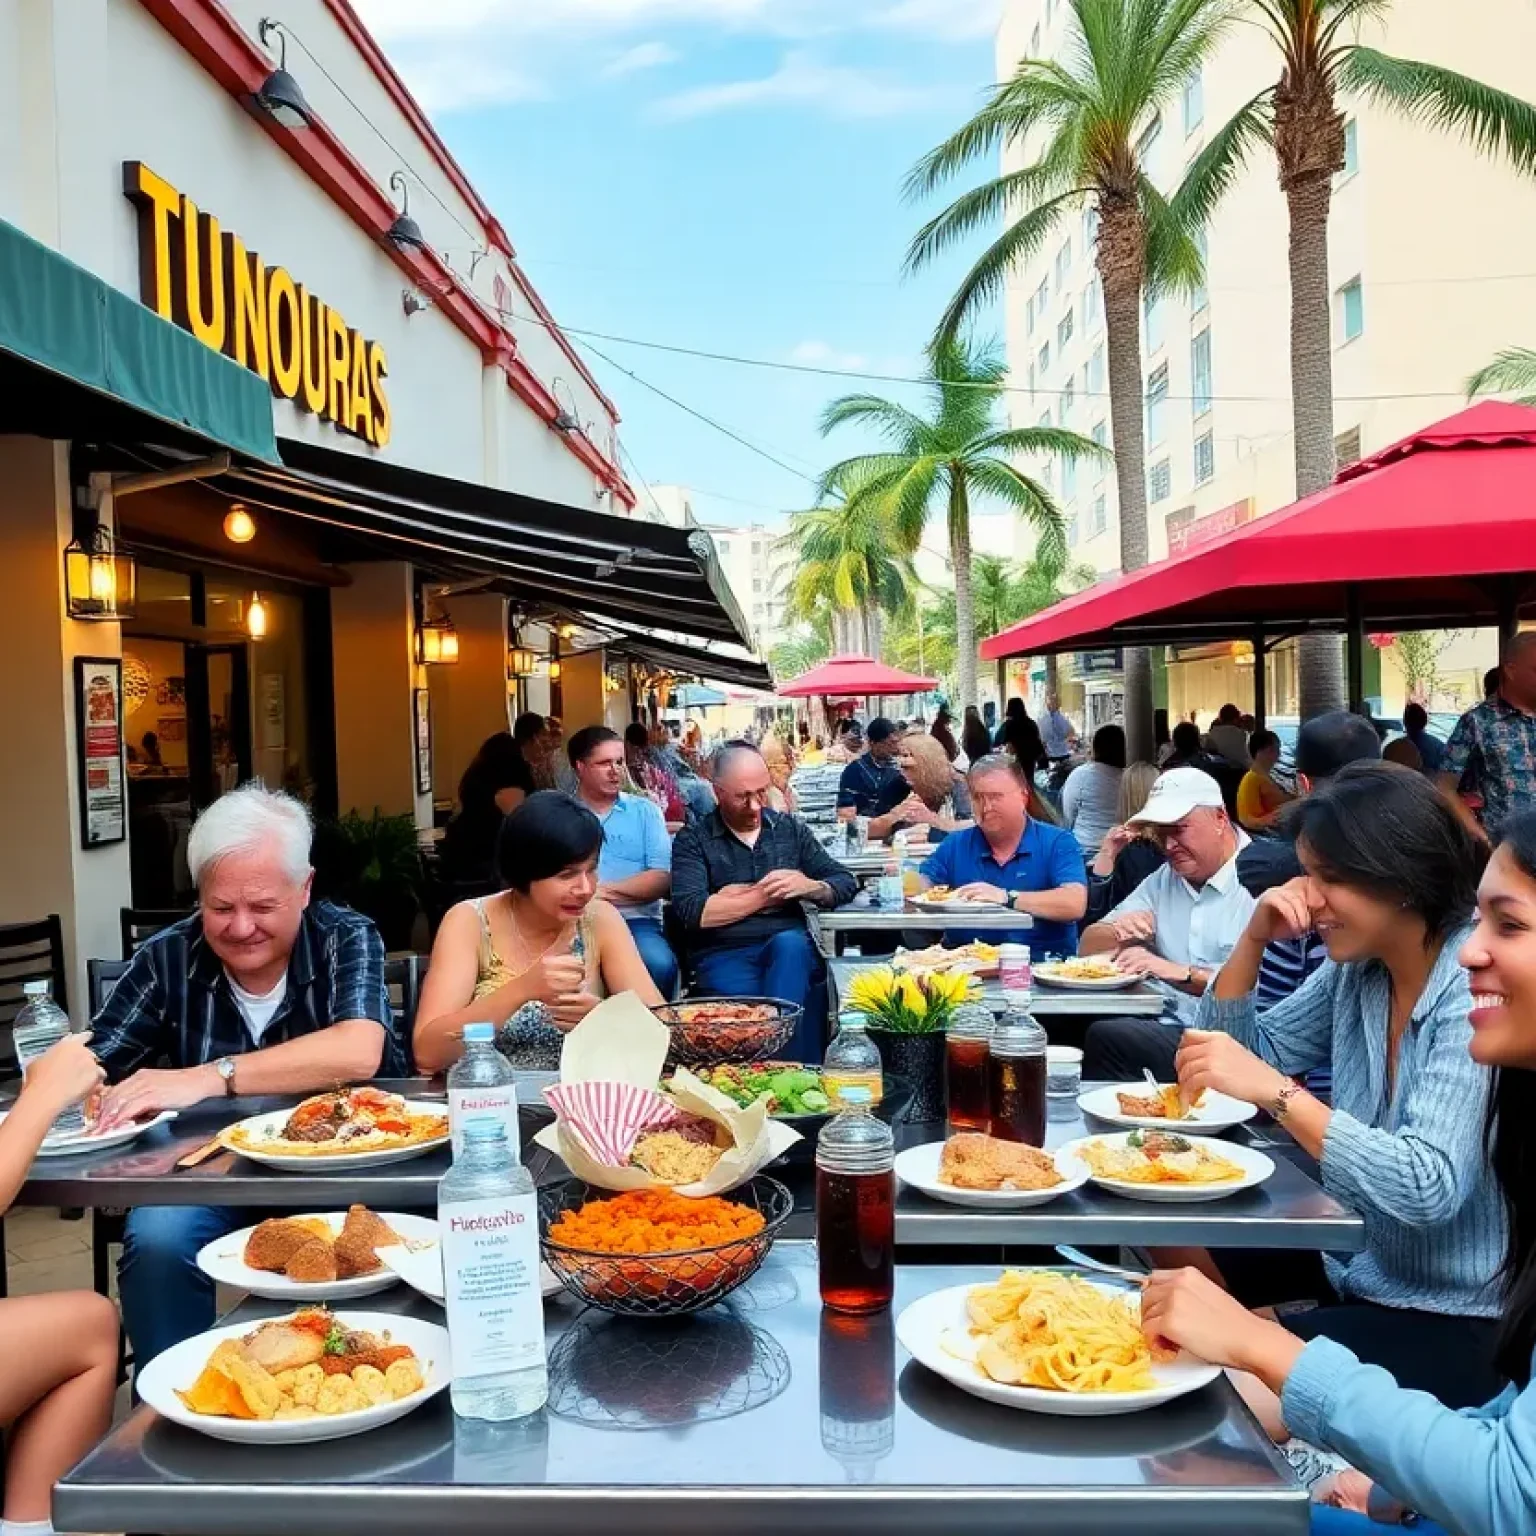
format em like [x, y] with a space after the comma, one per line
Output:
[803, 79]
[642, 56]
[819, 354]
[447, 82]
[946, 20]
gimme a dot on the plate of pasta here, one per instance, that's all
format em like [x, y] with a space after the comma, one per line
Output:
[1170, 1168]
[1085, 973]
[1049, 1342]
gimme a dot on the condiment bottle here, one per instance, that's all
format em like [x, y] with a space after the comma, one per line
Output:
[856, 1208]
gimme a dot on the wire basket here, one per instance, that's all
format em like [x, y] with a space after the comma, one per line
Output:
[660, 1284]
[704, 1034]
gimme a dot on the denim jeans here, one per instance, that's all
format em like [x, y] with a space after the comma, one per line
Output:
[1344, 1522]
[786, 966]
[656, 953]
[165, 1297]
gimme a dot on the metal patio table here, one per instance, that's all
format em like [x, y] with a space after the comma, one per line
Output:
[761, 1415]
[861, 917]
[1140, 1001]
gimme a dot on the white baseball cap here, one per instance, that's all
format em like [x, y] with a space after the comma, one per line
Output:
[1178, 792]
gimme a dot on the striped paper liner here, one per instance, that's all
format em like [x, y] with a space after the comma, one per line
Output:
[608, 1117]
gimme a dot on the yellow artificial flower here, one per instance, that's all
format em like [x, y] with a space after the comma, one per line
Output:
[913, 997]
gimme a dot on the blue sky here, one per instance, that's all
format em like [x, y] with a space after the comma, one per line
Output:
[717, 174]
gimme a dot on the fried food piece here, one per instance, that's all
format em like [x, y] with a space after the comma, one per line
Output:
[403, 1377]
[380, 1356]
[973, 1161]
[232, 1387]
[274, 1242]
[371, 1382]
[361, 1234]
[283, 1347]
[314, 1263]
[306, 1385]
[340, 1394]
[1149, 1108]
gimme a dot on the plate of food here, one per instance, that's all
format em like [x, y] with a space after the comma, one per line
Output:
[792, 1088]
[1148, 1106]
[1085, 973]
[988, 1174]
[80, 1143]
[1048, 1342]
[331, 1256]
[315, 1375]
[1167, 1167]
[945, 898]
[354, 1127]
[976, 959]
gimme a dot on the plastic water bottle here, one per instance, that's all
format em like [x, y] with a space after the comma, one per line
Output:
[39, 1025]
[856, 1209]
[852, 1061]
[482, 1085]
[488, 1224]
[889, 895]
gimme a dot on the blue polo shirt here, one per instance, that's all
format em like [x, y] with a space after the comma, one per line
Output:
[634, 840]
[1047, 857]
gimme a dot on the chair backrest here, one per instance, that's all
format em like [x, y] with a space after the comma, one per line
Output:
[402, 976]
[100, 977]
[140, 923]
[28, 952]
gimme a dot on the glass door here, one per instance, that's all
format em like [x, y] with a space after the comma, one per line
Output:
[218, 720]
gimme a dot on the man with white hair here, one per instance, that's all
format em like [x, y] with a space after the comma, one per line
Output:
[259, 991]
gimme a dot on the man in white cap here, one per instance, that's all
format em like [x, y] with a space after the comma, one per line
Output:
[1176, 928]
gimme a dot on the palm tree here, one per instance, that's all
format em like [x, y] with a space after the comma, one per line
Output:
[1514, 369]
[1299, 118]
[848, 569]
[1080, 121]
[799, 653]
[939, 460]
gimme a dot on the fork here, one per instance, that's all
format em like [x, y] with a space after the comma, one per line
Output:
[1080, 1260]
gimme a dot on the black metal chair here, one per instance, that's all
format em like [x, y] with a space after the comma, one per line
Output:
[28, 952]
[140, 923]
[402, 976]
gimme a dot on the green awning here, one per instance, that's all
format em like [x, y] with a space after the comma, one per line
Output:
[81, 360]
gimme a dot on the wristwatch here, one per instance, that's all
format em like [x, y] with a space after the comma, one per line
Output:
[225, 1067]
[1013, 900]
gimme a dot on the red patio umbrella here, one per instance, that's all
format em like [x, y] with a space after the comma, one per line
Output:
[1436, 530]
[857, 675]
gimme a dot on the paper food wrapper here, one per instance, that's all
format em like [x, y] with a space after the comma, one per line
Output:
[622, 1041]
[607, 1117]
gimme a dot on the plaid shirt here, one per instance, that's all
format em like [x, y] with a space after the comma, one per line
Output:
[174, 1001]
[1497, 742]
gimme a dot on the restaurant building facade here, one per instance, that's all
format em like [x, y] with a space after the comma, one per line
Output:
[426, 470]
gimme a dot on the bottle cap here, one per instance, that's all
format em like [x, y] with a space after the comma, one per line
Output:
[479, 1034]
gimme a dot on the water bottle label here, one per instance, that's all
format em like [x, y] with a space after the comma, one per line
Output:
[491, 1284]
[498, 1103]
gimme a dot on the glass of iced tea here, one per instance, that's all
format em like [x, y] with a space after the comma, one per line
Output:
[967, 1053]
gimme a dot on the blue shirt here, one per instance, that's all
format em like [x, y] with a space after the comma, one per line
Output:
[634, 841]
[1046, 859]
[872, 788]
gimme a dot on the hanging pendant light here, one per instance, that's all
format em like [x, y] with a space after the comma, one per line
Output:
[239, 525]
[256, 617]
[280, 97]
[405, 233]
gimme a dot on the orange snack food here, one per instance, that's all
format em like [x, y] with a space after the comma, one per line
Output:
[643, 1221]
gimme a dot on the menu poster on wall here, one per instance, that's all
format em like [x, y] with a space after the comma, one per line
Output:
[99, 742]
[422, 700]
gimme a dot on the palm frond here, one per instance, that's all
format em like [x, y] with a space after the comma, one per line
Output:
[983, 207]
[1213, 171]
[1513, 369]
[1055, 442]
[1346, 13]
[890, 420]
[1494, 122]
[1000, 480]
[1174, 263]
[860, 475]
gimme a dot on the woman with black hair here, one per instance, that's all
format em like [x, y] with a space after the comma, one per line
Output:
[535, 959]
[1475, 1472]
[975, 739]
[497, 781]
[1390, 884]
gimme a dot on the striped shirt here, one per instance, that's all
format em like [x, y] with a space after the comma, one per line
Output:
[174, 1002]
[1410, 1162]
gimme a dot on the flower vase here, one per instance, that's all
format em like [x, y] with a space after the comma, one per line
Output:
[919, 1060]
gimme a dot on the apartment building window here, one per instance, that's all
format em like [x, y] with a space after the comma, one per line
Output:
[1045, 420]
[1351, 148]
[1346, 447]
[1096, 371]
[1034, 42]
[1090, 227]
[1068, 479]
[1043, 297]
[1093, 303]
[1159, 481]
[1072, 531]
[1064, 331]
[1044, 360]
[1194, 102]
[1351, 310]
[1101, 433]
[1147, 151]
[1068, 400]
[1200, 371]
[1154, 332]
[1157, 405]
[1100, 517]
[1031, 381]
[1029, 313]
[1205, 458]
[1063, 262]
[1200, 299]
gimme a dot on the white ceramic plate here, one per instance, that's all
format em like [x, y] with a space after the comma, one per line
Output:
[922, 1328]
[182, 1363]
[923, 905]
[222, 1260]
[94, 1141]
[1217, 1111]
[1255, 1165]
[422, 1269]
[273, 1122]
[919, 1167]
[1054, 978]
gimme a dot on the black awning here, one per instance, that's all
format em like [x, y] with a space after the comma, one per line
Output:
[611, 568]
[685, 661]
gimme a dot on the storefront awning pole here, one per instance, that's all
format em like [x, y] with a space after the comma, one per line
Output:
[1260, 677]
[1355, 646]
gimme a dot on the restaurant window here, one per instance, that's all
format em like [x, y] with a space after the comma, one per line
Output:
[1064, 331]
[1200, 371]
[1351, 310]
[1160, 481]
[1346, 447]
[1157, 405]
[1205, 458]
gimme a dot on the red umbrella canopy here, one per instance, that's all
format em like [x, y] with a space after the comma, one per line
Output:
[854, 675]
